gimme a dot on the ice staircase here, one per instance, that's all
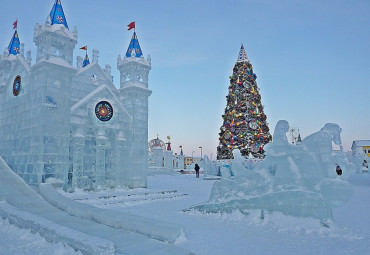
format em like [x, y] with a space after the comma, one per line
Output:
[88, 229]
[127, 198]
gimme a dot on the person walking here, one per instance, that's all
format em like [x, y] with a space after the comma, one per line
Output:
[196, 170]
[338, 170]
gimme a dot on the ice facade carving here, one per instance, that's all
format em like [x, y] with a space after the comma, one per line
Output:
[50, 129]
[297, 180]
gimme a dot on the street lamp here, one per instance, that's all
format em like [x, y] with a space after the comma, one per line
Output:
[201, 152]
[192, 157]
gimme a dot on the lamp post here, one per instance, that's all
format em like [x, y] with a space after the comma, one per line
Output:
[192, 157]
[201, 152]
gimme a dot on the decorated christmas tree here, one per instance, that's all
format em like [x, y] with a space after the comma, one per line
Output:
[244, 121]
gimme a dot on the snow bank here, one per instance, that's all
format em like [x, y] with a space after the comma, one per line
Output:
[54, 232]
[159, 230]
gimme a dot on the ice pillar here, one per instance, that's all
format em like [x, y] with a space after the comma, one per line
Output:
[78, 151]
[101, 144]
[121, 159]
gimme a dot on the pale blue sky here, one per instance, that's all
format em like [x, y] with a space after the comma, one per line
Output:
[312, 58]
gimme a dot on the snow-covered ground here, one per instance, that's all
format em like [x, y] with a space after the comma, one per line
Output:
[168, 195]
[16, 241]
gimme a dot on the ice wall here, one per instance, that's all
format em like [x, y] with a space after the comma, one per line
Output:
[297, 180]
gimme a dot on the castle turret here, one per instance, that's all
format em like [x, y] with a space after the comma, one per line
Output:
[134, 70]
[54, 38]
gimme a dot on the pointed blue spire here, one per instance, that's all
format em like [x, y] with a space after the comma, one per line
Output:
[242, 55]
[57, 14]
[134, 45]
[86, 61]
[14, 44]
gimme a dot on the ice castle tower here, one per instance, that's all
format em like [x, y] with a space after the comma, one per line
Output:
[70, 122]
[134, 71]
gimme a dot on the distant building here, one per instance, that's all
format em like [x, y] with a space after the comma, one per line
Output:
[363, 144]
[188, 161]
[161, 158]
[191, 160]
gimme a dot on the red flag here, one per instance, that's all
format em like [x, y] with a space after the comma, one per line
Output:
[15, 24]
[83, 48]
[131, 25]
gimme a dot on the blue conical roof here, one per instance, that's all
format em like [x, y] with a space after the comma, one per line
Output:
[86, 61]
[242, 55]
[134, 45]
[57, 14]
[14, 44]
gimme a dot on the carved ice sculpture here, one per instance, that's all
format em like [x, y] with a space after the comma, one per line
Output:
[296, 180]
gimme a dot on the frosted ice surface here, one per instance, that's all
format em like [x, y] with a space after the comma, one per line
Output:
[297, 180]
[210, 167]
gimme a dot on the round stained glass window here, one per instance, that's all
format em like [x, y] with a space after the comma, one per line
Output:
[104, 111]
[17, 85]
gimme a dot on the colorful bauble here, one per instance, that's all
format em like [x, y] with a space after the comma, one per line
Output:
[17, 85]
[104, 111]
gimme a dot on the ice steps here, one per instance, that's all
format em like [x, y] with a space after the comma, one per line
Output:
[130, 202]
[125, 200]
[117, 195]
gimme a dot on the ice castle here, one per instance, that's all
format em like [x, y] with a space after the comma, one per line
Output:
[70, 122]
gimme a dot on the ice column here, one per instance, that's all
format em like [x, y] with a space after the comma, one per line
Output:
[95, 56]
[79, 62]
[121, 159]
[28, 57]
[78, 150]
[101, 145]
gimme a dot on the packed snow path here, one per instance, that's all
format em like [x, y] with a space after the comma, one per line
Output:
[24, 206]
